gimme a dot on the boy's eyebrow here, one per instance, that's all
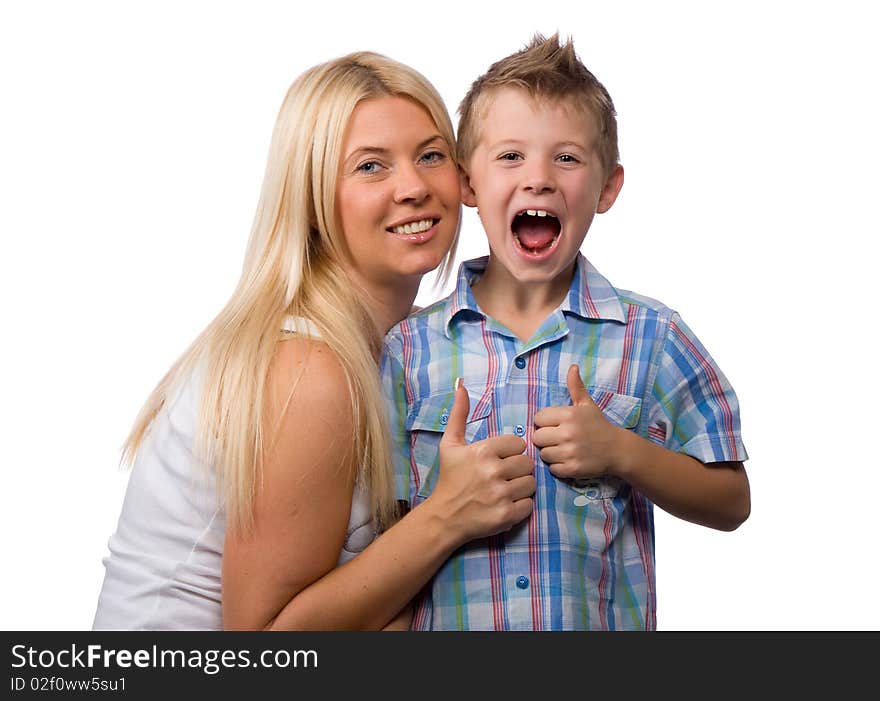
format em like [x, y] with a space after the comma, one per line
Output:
[384, 151]
[501, 142]
[519, 142]
[572, 143]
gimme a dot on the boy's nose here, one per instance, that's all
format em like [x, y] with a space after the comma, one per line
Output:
[539, 179]
[410, 186]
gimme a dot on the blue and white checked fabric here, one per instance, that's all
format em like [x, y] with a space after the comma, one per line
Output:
[584, 560]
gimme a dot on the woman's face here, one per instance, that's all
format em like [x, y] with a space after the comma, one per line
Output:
[398, 192]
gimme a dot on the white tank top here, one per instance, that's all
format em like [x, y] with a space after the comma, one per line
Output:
[163, 571]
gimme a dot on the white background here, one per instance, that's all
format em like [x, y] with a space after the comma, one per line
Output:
[132, 143]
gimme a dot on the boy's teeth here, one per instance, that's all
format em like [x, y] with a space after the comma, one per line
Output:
[537, 212]
[415, 227]
[541, 213]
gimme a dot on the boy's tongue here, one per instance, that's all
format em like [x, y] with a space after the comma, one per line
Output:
[535, 232]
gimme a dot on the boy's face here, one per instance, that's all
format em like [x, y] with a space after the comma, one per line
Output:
[537, 180]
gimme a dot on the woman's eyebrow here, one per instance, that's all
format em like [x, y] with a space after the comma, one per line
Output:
[431, 139]
[381, 151]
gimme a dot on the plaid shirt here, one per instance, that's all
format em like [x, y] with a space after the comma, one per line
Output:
[584, 559]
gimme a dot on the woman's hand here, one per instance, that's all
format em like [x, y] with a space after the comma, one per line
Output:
[283, 574]
[485, 487]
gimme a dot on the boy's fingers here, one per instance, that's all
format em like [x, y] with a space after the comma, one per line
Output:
[552, 455]
[579, 393]
[545, 436]
[454, 434]
[555, 415]
[550, 416]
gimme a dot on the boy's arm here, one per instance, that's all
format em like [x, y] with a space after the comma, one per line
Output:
[579, 442]
[697, 472]
[714, 494]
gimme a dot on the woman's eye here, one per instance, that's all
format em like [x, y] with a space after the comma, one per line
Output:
[433, 156]
[368, 167]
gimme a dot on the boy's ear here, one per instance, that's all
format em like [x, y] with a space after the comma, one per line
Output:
[611, 189]
[468, 196]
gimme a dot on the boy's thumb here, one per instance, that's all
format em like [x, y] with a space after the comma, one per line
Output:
[454, 434]
[579, 393]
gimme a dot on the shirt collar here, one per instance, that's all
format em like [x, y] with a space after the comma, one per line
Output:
[590, 295]
[462, 299]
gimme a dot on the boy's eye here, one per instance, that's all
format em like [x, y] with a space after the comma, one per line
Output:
[509, 156]
[568, 158]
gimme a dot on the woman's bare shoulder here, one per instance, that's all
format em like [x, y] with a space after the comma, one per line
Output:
[303, 502]
[308, 363]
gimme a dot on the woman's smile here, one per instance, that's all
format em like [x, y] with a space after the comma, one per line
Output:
[398, 192]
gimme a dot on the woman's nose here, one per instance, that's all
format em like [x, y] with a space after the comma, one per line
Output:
[410, 185]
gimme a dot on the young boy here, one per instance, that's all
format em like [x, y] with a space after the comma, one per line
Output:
[529, 330]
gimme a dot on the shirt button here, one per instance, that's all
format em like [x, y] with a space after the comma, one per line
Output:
[520, 363]
[519, 430]
[522, 582]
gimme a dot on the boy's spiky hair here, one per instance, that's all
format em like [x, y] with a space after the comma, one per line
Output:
[545, 69]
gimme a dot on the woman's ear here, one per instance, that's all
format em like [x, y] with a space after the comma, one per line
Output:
[468, 196]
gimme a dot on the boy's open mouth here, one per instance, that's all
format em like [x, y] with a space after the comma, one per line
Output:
[535, 230]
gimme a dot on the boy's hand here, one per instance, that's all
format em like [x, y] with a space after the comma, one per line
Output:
[577, 441]
[485, 487]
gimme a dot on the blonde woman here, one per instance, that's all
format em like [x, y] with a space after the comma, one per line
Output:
[261, 460]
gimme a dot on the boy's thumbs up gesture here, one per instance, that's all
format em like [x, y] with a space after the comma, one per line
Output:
[577, 441]
[484, 487]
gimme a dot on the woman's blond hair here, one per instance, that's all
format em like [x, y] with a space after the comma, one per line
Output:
[296, 264]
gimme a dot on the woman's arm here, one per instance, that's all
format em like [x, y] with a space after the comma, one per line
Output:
[284, 576]
[402, 620]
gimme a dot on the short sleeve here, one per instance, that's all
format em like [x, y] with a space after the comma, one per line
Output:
[694, 409]
[394, 394]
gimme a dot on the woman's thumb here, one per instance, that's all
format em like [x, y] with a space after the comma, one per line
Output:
[454, 434]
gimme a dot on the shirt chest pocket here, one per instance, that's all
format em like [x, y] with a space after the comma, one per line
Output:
[620, 409]
[426, 423]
